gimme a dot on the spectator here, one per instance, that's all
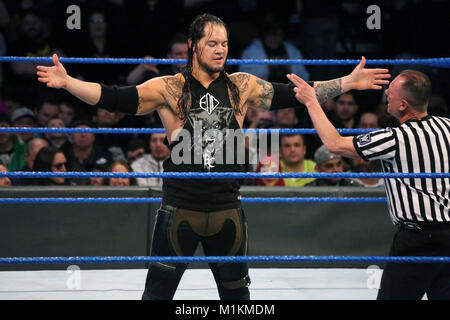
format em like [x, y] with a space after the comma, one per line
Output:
[329, 162]
[56, 139]
[52, 159]
[285, 118]
[257, 146]
[346, 109]
[384, 118]
[12, 148]
[368, 120]
[255, 119]
[101, 43]
[33, 40]
[33, 147]
[113, 142]
[135, 150]
[178, 49]
[258, 118]
[83, 153]
[152, 15]
[46, 110]
[4, 182]
[124, 167]
[272, 46]
[66, 113]
[360, 165]
[319, 30]
[97, 181]
[269, 164]
[292, 152]
[24, 118]
[153, 161]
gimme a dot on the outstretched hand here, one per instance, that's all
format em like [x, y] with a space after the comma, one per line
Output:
[55, 76]
[364, 79]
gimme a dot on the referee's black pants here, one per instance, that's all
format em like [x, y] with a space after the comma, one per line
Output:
[410, 281]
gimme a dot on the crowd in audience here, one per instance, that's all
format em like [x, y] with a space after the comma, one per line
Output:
[117, 28]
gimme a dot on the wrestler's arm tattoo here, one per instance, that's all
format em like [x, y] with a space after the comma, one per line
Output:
[326, 90]
[241, 81]
[265, 94]
[173, 87]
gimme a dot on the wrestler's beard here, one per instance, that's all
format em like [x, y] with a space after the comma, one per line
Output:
[209, 69]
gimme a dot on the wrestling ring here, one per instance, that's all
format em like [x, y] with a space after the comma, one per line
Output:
[198, 284]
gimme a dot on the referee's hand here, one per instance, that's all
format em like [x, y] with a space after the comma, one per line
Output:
[303, 91]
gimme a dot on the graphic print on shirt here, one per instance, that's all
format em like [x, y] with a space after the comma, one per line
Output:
[210, 121]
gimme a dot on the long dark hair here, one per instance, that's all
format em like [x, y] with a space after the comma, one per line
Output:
[44, 162]
[195, 33]
[124, 163]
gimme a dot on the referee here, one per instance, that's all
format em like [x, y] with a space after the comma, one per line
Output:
[420, 208]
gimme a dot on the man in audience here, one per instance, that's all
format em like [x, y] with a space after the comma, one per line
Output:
[57, 139]
[83, 153]
[292, 153]
[368, 120]
[114, 143]
[48, 109]
[33, 147]
[135, 149]
[153, 161]
[12, 148]
[346, 109]
[329, 162]
[66, 113]
[285, 118]
[24, 118]
[360, 165]
[178, 49]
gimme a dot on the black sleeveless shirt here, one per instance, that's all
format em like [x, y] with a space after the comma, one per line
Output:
[203, 149]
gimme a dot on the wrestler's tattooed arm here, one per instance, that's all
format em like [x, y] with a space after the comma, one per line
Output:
[241, 81]
[326, 90]
[174, 87]
[158, 92]
[265, 94]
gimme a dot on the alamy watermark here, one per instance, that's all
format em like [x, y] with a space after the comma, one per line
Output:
[73, 281]
[374, 20]
[374, 279]
[74, 20]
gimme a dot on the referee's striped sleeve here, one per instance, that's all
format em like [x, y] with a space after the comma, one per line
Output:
[376, 145]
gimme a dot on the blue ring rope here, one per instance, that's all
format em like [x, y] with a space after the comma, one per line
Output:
[158, 200]
[161, 130]
[219, 259]
[437, 62]
[220, 175]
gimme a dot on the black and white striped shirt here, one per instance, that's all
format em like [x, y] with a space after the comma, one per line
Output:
[415, 146]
